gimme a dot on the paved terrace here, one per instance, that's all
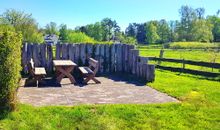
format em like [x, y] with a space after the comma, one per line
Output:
[112, 90]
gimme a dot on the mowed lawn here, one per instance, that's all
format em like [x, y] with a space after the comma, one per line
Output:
[199, 108]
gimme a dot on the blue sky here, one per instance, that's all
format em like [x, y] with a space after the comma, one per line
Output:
[81, 12]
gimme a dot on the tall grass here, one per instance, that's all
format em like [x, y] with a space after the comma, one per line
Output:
[192, 45]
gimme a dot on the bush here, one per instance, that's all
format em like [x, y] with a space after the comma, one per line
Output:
[79, 37]
[192, 45]
[10, 59]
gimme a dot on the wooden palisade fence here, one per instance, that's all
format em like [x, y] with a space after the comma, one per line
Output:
[190, 62]
[113, 58]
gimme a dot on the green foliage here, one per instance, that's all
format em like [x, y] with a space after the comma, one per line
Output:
[152, 36]
[79, 37]
[51, 28]
[128, 40]
[215, 21]
[202, 31]
[95, 31]
[24, 23]
[10, 59]
[63, 33]
[5, 27]
[163, 31]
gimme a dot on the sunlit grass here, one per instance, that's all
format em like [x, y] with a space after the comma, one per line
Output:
[199, 108]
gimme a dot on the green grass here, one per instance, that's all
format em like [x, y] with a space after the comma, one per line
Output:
[199, 109]
[193, 45]
[196, 55]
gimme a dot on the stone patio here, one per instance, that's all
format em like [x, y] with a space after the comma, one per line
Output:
[112, 90]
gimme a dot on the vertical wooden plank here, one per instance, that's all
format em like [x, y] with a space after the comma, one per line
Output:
[49, 58]
[135, 54]
[119, 58]
[43, 55]
[36, 59]
[97, 54]
[24, 56]
[58, 51]
[113, 46]
[65, 51]
[29, 52]
[71, 51]
[130, 59]
[107, 58]
[77, 54]
[150, 72]
[102, 56]
[82, 53]
[125, 58]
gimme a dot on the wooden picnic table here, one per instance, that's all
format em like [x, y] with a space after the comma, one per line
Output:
[64, 68]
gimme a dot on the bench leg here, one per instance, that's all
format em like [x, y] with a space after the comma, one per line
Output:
[91, 77]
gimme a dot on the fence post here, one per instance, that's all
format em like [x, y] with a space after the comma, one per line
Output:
[161, 56]
[49, 58]
[58, 52]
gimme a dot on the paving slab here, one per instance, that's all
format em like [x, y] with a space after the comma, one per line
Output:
[112, 90]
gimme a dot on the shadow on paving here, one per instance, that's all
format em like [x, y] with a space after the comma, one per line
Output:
[51, 81]
[128, 79]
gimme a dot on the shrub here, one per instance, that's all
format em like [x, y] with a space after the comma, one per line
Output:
[10, 59]
[79, 37]
[192, 45]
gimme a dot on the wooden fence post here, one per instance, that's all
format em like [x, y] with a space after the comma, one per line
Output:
[43, 50]
[135, 54]
[113, 58]
[49, 58]
[24, 57]
[65, 51]
[118, 57]
[71, 50]
[77, 53]
[58, 51]
[102, 57]
[36, 59]
[107, 59]
[150, 72]
[83, 53]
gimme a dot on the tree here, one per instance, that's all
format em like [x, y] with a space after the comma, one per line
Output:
[200, 12]
[141, 33]
[173, 30]
[202, 31]
[24, 23]
[51, 28]
[63, 32]
[131, 30]
[152, 36]
[110, 28]
[188, 15]
[215, 21]
[95, 30]
[163, 31]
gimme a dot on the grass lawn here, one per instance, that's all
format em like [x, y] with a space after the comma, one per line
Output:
[199, 109]
[196, 55]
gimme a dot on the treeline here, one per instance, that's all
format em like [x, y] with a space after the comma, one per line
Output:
[192, 26]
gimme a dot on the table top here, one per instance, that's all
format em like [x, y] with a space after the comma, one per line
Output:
[63, 63]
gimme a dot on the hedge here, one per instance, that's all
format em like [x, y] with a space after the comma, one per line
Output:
[10, 66]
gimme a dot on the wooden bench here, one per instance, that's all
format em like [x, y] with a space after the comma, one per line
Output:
[37, 73]
[90, 72]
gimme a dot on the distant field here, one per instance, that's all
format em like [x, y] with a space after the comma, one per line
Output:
[197, 55]
[209, 55]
